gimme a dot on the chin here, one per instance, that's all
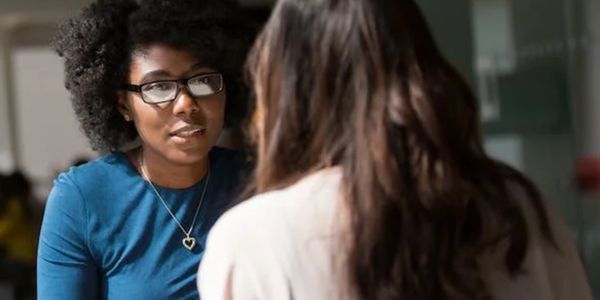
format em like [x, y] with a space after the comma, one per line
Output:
[188, 156]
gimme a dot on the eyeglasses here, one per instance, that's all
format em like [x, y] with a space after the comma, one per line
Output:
[167, 90]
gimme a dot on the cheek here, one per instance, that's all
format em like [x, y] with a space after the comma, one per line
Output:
[149, 120]
[215, 110]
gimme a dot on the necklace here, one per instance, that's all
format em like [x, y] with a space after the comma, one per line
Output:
[188, 241]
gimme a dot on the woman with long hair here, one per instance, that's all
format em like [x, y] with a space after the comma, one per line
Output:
[371, 180]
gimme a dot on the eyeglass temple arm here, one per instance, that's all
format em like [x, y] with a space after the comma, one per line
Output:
[132, 88]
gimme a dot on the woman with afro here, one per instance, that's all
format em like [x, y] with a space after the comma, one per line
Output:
[152, 83]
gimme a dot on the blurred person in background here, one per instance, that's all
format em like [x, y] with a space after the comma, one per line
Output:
[19, 225]
[165, 77]
[371, 180]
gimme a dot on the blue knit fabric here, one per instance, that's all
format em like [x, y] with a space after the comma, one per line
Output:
[106, 235]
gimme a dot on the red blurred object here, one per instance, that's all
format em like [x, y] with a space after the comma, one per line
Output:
[587, 171]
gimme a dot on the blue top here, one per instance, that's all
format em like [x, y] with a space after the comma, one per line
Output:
[106, 235]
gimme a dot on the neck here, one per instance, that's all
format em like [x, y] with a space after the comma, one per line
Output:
[164, 173]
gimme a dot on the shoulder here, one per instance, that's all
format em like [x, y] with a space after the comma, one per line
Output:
[248, 222]
[89, 178]
[244, 252]
[255, 245]
[96, 169]
[250, 226]
[552, 263]
[545, 227]
[278, 213]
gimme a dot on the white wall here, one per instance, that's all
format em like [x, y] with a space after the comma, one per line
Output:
[6, 162]
[49, 135]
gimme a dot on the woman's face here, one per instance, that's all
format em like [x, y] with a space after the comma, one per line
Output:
[183, 130]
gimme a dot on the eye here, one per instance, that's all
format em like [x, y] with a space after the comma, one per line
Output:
[158, 86]
[199, 80]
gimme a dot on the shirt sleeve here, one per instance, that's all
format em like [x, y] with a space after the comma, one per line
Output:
[239, 262]
[65, 269]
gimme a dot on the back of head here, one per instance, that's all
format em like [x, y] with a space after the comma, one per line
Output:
[370, 61]
[361, 84]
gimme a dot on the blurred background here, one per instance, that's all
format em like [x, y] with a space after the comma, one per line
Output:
[535, 65]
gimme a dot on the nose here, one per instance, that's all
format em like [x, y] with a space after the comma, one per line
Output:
[184, 103]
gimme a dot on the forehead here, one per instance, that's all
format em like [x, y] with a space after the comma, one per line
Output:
[160, 57]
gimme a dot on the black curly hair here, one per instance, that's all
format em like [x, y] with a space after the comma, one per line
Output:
[97, 46]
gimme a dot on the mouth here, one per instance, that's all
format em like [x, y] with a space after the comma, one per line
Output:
[187, 134]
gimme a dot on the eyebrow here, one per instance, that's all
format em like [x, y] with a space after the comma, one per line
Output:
[155, 75]
[161, 74]
[198, 66]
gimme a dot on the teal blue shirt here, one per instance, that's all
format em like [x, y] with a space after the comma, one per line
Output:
[106, 235]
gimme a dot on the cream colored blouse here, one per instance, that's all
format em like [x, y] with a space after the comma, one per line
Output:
[284, 245]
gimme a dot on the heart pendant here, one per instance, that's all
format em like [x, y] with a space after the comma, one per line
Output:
[189, 242]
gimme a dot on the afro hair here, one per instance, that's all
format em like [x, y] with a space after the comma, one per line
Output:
[97, 46]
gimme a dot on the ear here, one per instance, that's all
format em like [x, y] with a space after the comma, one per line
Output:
[123, 106]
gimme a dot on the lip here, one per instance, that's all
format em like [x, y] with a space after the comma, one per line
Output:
[188, 130]
[188, 135]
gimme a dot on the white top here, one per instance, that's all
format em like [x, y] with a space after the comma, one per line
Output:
[282, 245]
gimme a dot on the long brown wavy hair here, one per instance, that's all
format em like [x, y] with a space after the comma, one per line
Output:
[361, 84]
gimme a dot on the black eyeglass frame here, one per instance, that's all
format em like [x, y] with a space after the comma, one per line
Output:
[183, 82]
